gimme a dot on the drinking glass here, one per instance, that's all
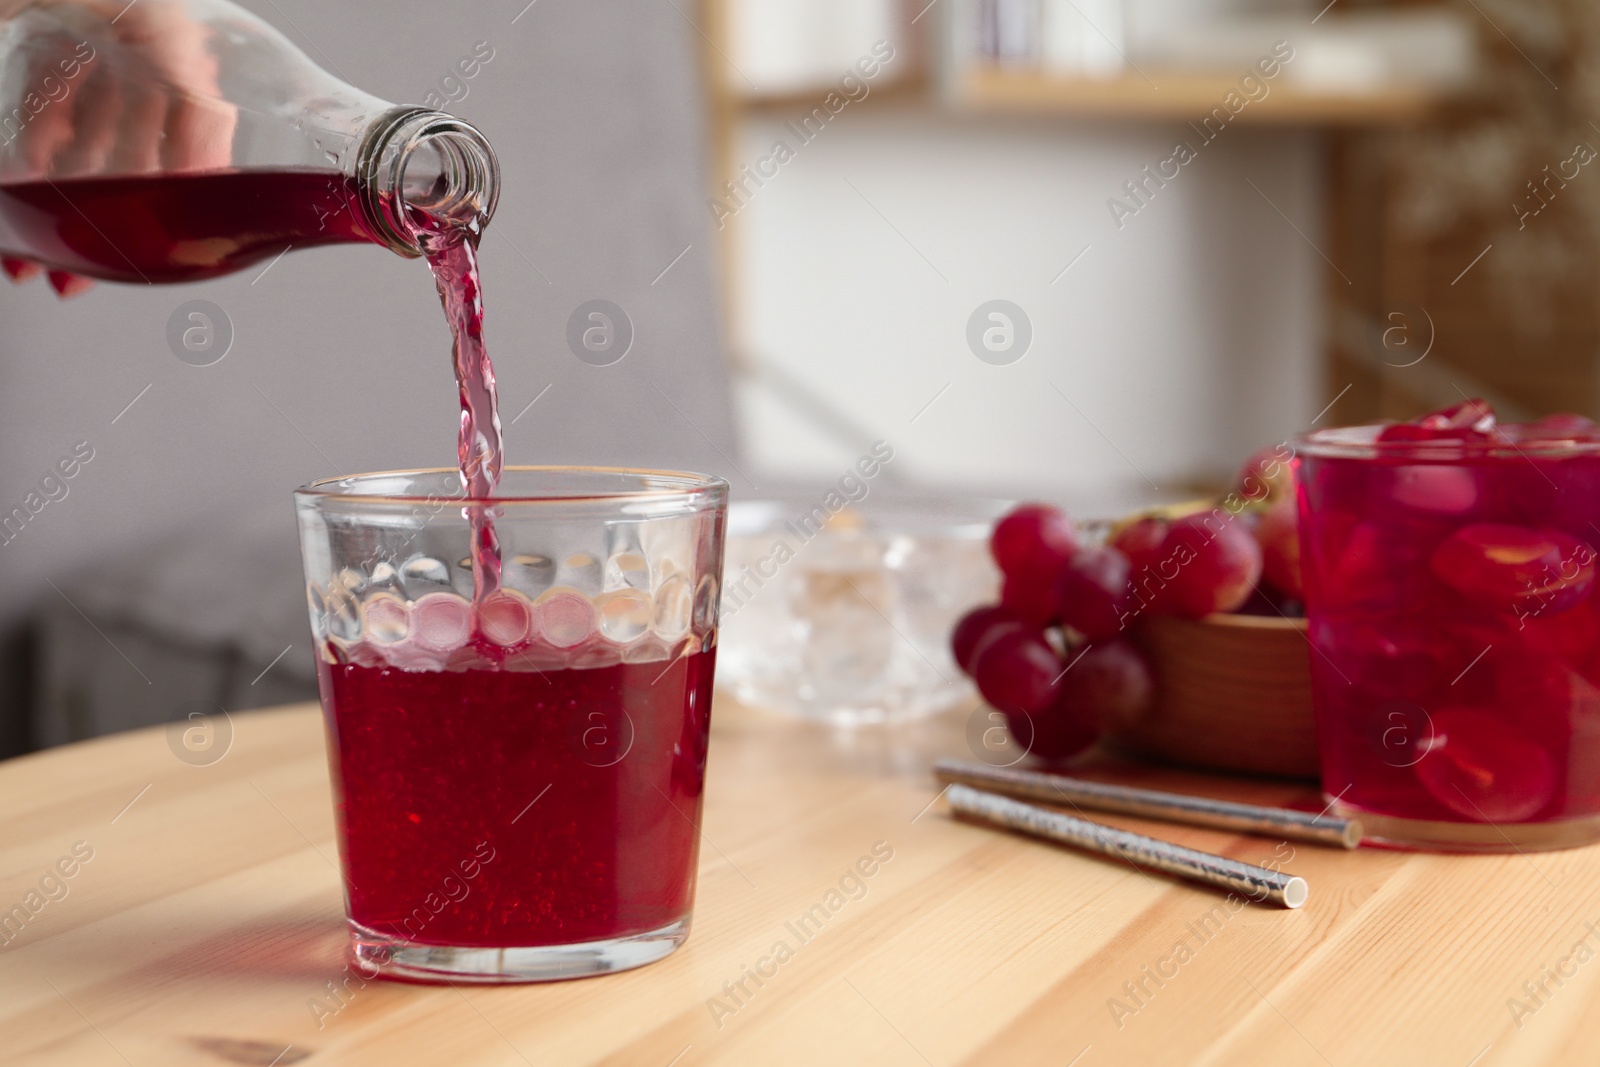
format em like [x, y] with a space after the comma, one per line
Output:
[1455, 639]
[517, 765]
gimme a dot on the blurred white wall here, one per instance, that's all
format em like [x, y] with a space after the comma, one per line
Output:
[1175, 345]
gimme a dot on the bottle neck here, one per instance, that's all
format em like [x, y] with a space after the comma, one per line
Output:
[412, 159]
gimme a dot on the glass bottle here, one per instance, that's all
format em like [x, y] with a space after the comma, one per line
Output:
[171, 140]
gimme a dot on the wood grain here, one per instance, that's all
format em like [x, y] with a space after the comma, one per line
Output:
[1234, 694]
[1184, 96]
[209, 918]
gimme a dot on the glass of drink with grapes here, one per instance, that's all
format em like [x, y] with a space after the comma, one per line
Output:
[1450, 572]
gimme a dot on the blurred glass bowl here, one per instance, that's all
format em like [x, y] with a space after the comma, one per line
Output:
[844, 616]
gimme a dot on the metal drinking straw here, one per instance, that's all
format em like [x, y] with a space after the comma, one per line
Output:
[1153, 804]
[1257, 883]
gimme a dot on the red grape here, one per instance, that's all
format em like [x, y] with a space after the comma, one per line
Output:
[1470, 420]
[1032, 543]
[1268, 475]
[1266, 602]
[1442, 490]
[1561, 426]
[1473, 415]
[1217, 561]
[1574, 636]
[1516, 568]
[1405, 431]
[975, 627]
[1278, 531]
[1141, 543]
[1111, 684]
[1485, 769]
[1057, 733]
[1032, 602]
[1016, 671]
[1093, 592]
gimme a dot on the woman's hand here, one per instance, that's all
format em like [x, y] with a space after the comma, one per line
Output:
[116, 88]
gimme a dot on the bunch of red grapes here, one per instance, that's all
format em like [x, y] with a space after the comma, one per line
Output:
[1056, 657]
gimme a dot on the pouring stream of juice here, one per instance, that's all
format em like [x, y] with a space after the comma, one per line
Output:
[452, 252]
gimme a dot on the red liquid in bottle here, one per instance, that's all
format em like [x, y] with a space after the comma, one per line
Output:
[178, 227]
[503, 808]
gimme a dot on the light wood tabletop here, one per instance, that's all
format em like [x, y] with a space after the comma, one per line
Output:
[176, 913]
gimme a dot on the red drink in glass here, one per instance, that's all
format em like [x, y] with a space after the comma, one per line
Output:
[507, 807]
[1449, 573]
[517, 773]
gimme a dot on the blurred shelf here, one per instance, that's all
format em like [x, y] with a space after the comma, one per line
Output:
[1167, 96]
[913, 88]
[1185, 96]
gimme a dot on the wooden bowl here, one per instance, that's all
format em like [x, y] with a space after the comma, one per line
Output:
[1234, 694]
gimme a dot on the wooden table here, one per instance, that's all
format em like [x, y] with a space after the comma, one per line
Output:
[206, 926]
